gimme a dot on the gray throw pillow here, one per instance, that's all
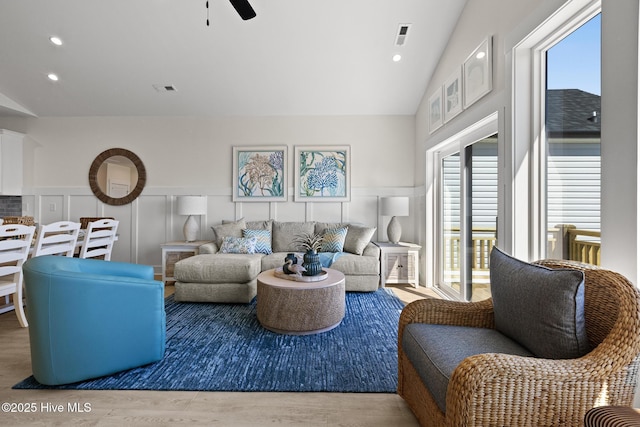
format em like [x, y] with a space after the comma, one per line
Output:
[284, 234]
[540, 308]
[358, 237]
[320, 227]
[227, 229]
[260, 225]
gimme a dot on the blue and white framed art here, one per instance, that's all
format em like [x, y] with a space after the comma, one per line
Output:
[322, 173]
[260, 174]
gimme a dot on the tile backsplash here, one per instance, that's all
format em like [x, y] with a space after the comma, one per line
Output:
[10, 206]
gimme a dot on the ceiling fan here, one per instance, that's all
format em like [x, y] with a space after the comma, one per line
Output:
[243, 8]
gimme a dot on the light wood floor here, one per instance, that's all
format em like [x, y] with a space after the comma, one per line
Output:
[160, 408]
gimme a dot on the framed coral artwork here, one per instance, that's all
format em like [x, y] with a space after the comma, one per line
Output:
[322, 173]
[260, 174]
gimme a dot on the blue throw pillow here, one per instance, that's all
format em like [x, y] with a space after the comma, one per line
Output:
[263, 240]
[238, 245]
[540, 308]
[333, 239]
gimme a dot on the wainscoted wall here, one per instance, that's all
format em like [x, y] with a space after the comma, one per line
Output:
[152, 220]
[193, 156]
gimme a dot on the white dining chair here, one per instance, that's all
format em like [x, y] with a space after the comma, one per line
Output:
[58, 238]
[15, 242]
[99, 237]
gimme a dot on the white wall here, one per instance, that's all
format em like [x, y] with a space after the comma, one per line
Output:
[193, 155]
[478, 20]
[620, 100]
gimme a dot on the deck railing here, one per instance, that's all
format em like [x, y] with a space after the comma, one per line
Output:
[565, 241]
[577, 245]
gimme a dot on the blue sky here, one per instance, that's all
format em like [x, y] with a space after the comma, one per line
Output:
[574, 63]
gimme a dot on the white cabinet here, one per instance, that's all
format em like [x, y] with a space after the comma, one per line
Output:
[399, 263]
[11, 162]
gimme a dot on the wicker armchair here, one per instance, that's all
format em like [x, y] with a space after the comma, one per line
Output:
[503, 390]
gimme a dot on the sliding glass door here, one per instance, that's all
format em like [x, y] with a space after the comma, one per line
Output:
[468, 212]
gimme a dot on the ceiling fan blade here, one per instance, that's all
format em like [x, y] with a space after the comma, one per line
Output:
[244, 9]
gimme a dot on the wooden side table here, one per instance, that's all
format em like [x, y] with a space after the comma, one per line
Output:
[173, 252]
[399, 263]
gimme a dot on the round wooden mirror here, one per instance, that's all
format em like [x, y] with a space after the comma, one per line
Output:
[117, 176]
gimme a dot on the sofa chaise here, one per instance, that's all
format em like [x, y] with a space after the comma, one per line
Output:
[225, 270]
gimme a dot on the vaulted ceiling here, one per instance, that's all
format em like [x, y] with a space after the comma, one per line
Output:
[296, 57]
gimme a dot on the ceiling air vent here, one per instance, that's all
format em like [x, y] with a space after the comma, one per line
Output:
[165, 88]
[403, 33]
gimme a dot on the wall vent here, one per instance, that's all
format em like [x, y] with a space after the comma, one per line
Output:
[165, 88]
[403, 33]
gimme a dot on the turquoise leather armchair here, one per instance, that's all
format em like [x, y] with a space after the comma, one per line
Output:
[89, 318]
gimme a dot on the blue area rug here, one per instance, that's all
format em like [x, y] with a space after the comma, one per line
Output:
[222, 347]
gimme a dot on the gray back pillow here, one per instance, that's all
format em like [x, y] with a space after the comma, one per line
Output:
[284, 234]
[540, 308]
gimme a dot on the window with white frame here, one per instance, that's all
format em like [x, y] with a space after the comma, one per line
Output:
[554, 197]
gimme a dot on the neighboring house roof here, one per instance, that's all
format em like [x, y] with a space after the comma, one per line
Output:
[570, 113]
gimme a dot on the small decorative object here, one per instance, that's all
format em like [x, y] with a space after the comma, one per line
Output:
[311, 242]
[394, 206]
[312, 264]
[298, 277]
[289, 261]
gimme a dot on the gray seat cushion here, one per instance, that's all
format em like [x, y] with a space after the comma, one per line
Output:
[351, 264]
[436, 350]
[539, 307]
[273, 260]
[218, 268]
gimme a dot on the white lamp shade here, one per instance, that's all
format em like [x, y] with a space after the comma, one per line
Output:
[192, 205]
[394, 206]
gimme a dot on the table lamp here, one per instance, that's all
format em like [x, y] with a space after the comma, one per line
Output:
[394, 207]
[191, 205]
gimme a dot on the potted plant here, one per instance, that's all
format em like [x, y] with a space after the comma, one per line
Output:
[311, 242]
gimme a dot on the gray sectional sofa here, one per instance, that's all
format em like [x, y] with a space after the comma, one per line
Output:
[214, 275]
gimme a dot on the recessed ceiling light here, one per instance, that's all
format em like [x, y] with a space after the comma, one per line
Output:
[53, 77]
[480, 55]
[397, 57]
[56, 40]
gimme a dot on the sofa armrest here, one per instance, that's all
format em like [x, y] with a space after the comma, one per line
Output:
[208, 248]
[371, 250]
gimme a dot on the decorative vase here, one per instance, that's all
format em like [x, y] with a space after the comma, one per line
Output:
[289, 260]
[312, 264]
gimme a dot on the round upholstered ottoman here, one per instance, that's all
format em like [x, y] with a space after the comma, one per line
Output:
[300, 308]
[217, 278]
